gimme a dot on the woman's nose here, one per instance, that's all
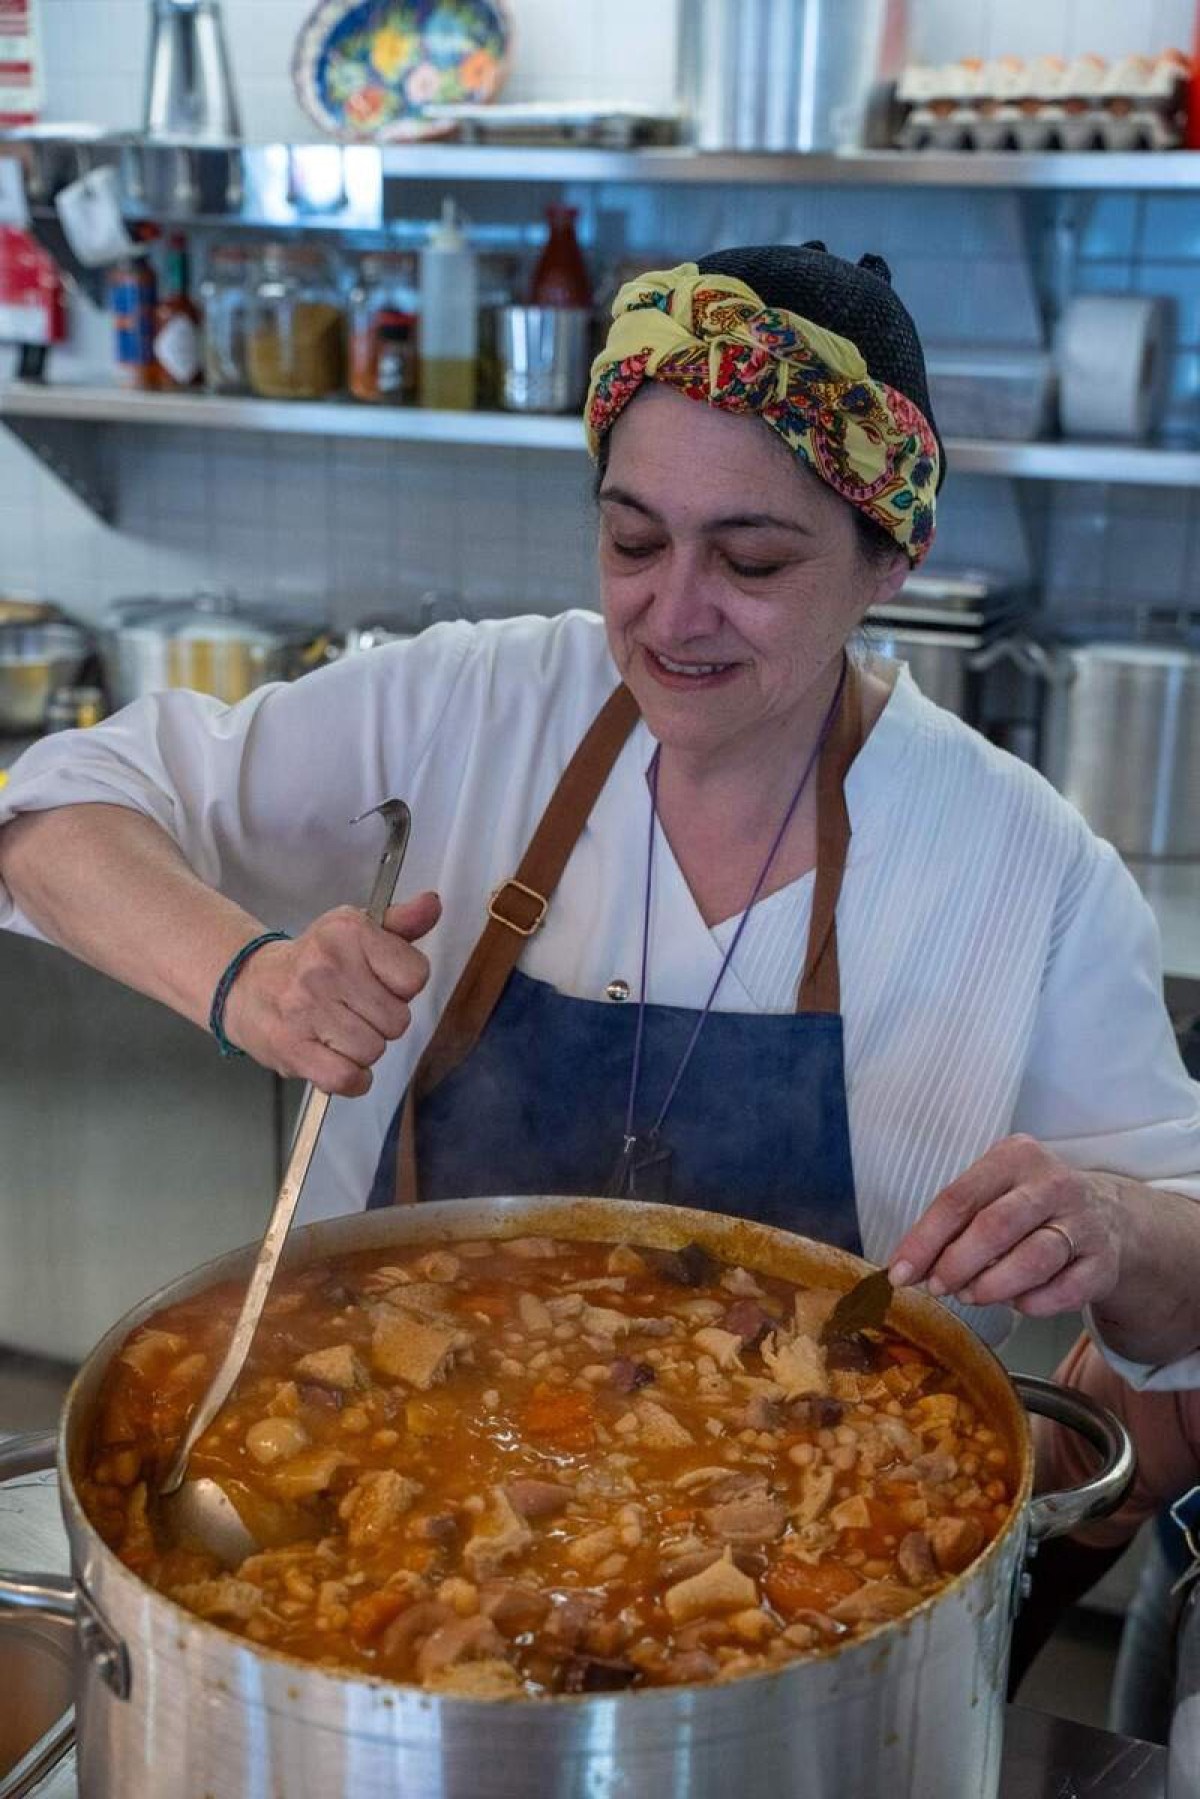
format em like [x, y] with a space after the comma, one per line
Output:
[682, 603]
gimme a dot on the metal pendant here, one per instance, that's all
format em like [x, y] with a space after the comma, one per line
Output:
[643, 1170]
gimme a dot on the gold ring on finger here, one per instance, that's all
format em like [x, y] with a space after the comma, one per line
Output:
[1060, 1230]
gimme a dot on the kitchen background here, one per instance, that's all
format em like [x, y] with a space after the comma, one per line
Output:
[103, 1100]
[341, 528]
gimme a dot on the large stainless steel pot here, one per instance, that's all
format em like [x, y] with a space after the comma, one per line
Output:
[209, 643]
[167, 1703]
[1122, 742]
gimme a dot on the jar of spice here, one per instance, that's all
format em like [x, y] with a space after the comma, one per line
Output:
[224, 303]
[296, 344]
[384, 313]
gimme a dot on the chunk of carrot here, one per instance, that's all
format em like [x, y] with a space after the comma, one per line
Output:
[371, 1615]
[560, 1415]
[793, 1586]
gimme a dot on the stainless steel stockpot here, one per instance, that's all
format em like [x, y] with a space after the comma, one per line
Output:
[210, 643]
[167, 1703]
[1122, 742]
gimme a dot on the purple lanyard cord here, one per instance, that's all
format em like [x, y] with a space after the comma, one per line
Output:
[635, 1073]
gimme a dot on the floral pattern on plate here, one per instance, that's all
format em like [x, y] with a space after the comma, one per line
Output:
[369, 68]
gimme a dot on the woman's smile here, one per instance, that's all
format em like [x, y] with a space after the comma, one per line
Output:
[684, 675]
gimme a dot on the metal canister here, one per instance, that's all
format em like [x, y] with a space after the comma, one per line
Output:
[781, 74]
[544, 352]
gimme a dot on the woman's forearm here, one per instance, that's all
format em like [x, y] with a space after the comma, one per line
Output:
[110, 886]
[1153, 1313]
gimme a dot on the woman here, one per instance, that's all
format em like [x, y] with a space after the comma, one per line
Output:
[676, 992]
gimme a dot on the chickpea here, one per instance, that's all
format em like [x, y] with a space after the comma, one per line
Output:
[275, 1439]
[460, 1594]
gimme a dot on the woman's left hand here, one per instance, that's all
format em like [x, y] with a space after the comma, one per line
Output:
[1020, 1228]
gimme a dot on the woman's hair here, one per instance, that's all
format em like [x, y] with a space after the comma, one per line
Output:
[854, 299]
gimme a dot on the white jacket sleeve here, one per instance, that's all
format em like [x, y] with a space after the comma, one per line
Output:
[1104, 1085]
[259, 796]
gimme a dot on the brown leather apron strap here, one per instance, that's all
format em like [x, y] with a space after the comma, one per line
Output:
[820, 984]
[515, 911]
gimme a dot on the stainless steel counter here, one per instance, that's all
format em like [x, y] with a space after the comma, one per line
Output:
[1044, 1758]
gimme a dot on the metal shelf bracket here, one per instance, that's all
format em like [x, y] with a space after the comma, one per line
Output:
[73, 455]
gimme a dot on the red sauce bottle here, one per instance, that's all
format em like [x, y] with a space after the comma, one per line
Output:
[561, 277]
[177, 323]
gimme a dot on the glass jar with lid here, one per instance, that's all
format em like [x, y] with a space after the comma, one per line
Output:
[384, 312]
[224, 302]
[296, 342]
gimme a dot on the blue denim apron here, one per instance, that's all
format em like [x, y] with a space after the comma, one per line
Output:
[537, 1102]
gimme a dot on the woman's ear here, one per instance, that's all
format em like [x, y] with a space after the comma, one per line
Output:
[891, 578]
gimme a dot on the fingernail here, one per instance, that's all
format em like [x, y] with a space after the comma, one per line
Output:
[935, 1286]
[901, 1274]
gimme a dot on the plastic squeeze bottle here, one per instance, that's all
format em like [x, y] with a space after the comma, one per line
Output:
[449, 330]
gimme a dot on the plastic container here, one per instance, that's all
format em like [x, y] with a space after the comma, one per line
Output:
[133, 303]
[296, 348]
[384, 315]
[1002, 394]
[449, 333]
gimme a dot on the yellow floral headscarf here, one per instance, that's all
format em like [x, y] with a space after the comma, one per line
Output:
[711, 337]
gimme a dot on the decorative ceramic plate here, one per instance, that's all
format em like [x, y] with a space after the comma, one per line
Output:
[369, 68]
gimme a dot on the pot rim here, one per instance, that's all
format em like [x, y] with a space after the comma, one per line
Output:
[924, 1320]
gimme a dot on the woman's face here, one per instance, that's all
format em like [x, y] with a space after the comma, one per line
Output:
[731, 575]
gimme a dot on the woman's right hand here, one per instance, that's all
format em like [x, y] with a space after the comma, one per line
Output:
[326, 1006]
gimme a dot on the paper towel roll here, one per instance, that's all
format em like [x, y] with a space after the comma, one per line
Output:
[1112, 364]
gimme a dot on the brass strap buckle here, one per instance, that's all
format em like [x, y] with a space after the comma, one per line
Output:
[522, 930]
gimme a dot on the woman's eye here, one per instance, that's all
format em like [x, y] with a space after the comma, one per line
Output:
[633, 552]
[754, 571]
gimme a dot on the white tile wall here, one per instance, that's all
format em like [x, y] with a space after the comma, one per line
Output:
[351, 528]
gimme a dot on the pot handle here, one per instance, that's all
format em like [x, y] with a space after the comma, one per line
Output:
[59, 1596]
[1055, 1514]
[48, 1595]
[34, 1453]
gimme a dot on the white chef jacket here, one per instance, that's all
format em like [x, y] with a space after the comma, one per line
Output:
[1000, 970]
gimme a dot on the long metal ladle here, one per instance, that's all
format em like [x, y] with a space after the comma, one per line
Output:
[199, 1512]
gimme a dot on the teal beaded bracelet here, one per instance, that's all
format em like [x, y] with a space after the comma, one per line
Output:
[216, 1012]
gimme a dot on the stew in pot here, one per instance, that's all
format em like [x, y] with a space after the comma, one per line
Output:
[533, 1466]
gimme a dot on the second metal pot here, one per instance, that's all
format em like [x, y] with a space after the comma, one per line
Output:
[35, 658]
[1122, 743]
[209, 644]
